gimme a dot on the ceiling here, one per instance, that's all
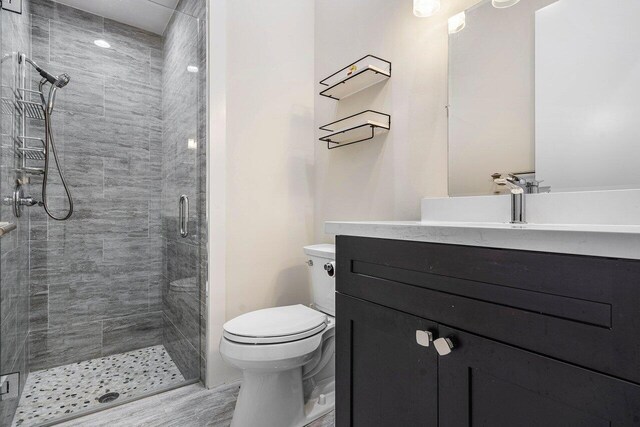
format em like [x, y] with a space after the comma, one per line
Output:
[150, 15]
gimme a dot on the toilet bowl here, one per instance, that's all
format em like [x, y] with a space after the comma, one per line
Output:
[286, 355]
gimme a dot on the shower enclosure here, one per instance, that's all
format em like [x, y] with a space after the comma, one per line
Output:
[108, 305]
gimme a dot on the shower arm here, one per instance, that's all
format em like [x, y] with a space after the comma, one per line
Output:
[55, 81]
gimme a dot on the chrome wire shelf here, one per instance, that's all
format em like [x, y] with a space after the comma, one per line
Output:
[8, 107]
[31, 171]
[32, 110]
[31, 153]
[8, 104]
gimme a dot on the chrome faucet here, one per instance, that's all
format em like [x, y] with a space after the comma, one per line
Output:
[517, 187]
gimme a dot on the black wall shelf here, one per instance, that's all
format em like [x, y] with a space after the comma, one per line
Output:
[356, 128]
[355, 77]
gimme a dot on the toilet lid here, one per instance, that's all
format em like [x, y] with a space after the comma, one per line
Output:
[275, 325]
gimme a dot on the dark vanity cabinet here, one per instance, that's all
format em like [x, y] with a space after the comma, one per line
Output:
[534, 339]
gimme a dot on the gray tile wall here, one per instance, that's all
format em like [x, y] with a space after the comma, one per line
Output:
[96, 280]
[184, 119]
[14, 247]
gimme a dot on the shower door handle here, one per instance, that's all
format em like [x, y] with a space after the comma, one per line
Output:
[183, 214]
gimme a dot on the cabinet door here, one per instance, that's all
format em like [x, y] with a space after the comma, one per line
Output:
[384, 377]
[485, 383]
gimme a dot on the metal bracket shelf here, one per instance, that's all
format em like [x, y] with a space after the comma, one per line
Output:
[365, 72]
[356, 128]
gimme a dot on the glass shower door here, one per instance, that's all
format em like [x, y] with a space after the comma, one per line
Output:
[14, 241]
[109, 303]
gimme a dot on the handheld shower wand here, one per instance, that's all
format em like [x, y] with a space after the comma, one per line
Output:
[56, 82]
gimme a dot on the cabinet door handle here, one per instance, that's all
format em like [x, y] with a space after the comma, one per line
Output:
[424, 338]
[183, 213]
[443, 346]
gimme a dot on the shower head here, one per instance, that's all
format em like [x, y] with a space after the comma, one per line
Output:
[57, 81]
[62, 80]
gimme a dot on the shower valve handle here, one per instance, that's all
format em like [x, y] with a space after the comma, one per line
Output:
[29, 201]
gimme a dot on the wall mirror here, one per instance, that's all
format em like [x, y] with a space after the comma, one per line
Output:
[549, 89]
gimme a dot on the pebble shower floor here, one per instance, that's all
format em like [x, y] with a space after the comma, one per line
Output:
[57, 392]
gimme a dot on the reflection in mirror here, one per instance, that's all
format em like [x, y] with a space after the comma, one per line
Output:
[548, 87]
[491, 96]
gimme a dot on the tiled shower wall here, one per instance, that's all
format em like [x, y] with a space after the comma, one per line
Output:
[184, 148]
[96, 280]
[14, 247]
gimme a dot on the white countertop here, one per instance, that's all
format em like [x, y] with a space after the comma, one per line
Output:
[616, 241]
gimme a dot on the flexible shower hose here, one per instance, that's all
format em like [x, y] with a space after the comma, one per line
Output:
[49, 142]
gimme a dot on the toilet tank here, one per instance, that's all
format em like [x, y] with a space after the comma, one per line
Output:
[323, 282]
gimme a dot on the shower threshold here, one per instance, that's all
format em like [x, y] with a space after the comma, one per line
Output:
[66, 391]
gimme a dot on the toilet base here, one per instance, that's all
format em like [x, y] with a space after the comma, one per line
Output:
[277, 400]
[321, 402]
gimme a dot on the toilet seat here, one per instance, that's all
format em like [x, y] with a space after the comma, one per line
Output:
[275, 325]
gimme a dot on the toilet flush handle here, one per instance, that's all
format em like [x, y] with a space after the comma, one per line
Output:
[330, 268]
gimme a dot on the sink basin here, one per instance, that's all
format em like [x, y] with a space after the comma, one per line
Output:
[619, 207]
[603, 223]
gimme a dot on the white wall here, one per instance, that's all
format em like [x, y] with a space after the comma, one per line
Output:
[269, 157]
[261, 160]
[272, 184]
[385, 178]
[587, 91]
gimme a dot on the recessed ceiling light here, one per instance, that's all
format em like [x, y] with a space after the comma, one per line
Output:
[102, 43]
[192, 69]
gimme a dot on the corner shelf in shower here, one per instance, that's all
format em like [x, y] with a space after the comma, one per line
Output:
[355, 77]
[356, 128]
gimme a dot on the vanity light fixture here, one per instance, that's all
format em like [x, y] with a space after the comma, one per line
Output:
[457, 23]
[503, 4]
[102, 43]
[192, 69]
[425, 8]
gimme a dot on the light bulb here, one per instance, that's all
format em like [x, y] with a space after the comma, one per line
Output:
[502, 4]
[457, 23]
[425, 8]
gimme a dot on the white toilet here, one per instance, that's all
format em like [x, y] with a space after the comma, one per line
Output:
[286, 354]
